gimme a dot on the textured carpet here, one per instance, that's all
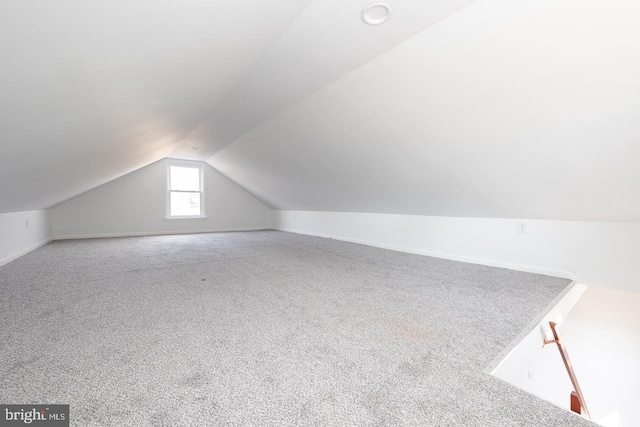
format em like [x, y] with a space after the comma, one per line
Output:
[264, 328]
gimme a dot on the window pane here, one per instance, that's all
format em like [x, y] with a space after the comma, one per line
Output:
[184, 178]
[185, 204]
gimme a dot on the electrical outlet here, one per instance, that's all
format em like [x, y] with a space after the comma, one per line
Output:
[26, 223]
[532, 376]
[522, 227]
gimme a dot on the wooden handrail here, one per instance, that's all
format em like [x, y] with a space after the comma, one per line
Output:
[569, 366]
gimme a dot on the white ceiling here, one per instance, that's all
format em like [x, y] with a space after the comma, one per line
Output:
[327, 41]
[525, 109]
[497, 108]
[91, 90]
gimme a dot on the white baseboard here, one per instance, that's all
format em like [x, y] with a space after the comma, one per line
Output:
[490, 263]
[15, 256]
[157, 233]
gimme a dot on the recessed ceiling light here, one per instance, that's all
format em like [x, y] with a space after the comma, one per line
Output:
[195, 148]
[376, 13]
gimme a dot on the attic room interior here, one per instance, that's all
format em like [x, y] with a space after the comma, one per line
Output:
[320, 212]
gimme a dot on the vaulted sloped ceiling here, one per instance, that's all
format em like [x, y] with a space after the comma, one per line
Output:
[487, 108]
[91, 89]
[525, 109]
[327, 41]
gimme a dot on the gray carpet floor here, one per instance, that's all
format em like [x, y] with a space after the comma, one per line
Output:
[265, 329]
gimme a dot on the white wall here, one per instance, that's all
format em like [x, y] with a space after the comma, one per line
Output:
[514, 361]
[594, 253]
[135, 205]
[602, 336]
[506, 109]
[22, 232]
[600, 329]
[115, 85]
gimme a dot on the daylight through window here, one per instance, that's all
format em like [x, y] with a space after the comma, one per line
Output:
[185, 198]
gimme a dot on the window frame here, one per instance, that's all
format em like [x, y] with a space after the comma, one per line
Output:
[168, 190]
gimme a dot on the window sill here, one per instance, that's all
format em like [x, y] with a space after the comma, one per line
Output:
[171, 218]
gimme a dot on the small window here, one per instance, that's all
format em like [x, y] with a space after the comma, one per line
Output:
[185, 192]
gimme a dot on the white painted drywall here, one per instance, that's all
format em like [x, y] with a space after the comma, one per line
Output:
[601, 333]
[506, 109]
[604, 254]
[135, 205]
[325, 42]
[22, 232]
[513, 362]
[92, 90]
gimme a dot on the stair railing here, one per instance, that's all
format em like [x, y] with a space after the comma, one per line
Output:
[577, 402]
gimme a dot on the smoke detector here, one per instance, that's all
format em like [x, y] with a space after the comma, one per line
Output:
[376, 13]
